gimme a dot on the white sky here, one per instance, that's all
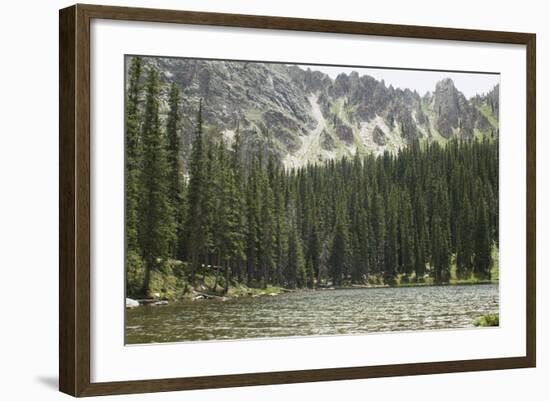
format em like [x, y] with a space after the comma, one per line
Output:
[469, 84]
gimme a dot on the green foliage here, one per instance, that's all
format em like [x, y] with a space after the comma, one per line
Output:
[175, 175]
[197, 219]
[482, 258]
[157, 229]
[133, 153]
[487, 321]
[169, 281]
[135, 274]
[296, 276]
[241, 290]
[339, 254]
[426, 214]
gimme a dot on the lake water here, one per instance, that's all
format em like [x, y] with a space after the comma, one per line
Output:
[305, 313]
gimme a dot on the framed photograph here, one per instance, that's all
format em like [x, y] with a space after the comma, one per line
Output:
[250, 200]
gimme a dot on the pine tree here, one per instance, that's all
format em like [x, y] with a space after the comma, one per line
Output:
[238, 203]
[440, 238]
[378, 217]
[133, 154]
[157, 226]
[406, 237]
[281, 230]
[175, 174]
[482, 257]
[197, 223]
[227, 233]
[313, 262]
[267, 223]
[296, 264]
[359, 239]
[339, 253]
[465, 241]
[234, 237]
[211, 202]
[253, 222]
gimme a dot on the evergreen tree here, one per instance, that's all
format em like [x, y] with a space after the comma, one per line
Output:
[339, 257]
[440, 238]
[406, 237]
[133, 154]
[175, 173]
[391, 240]
[238, 203]
[482, 257]
[465, 241]
[157, 226]
[197, 222]
[296, 275]
[313, 262]
[253, 222]
[227, 230]
[211, 201]
[281, 230]
[379, 223]
[420, 238]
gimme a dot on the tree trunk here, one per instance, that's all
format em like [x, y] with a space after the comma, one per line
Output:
[194, 267]
[147, 276]
[238, 264]
[218, 265]
[249, 268]
[264, 275]
[226, 287]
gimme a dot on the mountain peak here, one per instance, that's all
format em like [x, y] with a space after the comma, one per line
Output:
[301, 115]
[445, 83]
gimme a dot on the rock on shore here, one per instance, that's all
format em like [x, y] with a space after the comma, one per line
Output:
[131, 303]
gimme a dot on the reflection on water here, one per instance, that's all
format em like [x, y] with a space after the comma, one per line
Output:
[304, 313]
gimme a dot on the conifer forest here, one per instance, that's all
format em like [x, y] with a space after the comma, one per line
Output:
[216, 208]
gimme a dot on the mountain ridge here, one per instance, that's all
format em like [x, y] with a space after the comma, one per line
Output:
[304, 116]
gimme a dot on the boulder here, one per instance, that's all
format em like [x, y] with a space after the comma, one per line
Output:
[131, 303]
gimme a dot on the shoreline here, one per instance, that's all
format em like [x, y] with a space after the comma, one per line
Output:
[199, 296]
[361, 286]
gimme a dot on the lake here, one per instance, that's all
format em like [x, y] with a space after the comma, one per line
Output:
[306, 313]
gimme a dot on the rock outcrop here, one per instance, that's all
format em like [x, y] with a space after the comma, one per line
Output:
[270, 105]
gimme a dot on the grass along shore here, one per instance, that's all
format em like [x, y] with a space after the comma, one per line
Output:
[170, 283]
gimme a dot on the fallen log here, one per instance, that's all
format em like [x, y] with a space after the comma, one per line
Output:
[201, 295]
[147, 301]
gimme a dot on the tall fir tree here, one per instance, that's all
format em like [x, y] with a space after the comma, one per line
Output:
[253, 222]
[197, 221]
[157, 226]
[296, 276]
[482, 257]
[267, 222]
[239, 202]
[176, 183]
[465, 241]
[133, 154]
[339, 253]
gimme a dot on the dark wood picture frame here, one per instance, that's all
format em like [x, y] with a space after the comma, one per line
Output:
[74, 199]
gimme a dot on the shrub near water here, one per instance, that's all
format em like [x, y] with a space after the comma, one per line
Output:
[169, 281]
[487, 321]
[135, 273]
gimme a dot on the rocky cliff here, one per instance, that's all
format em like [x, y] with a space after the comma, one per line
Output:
[301, 115]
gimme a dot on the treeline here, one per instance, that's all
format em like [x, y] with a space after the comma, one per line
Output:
[410, 214]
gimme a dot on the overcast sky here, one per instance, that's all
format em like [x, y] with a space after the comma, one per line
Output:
[469, 84]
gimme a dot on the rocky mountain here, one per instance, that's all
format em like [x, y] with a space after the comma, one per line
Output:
[301, 115]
